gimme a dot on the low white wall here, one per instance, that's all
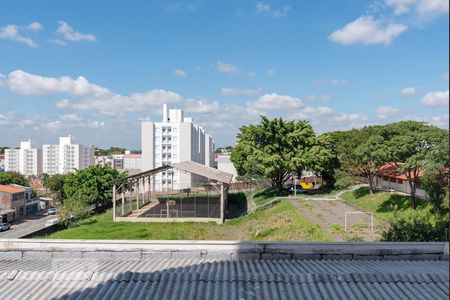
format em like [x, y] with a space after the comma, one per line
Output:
[21, 248]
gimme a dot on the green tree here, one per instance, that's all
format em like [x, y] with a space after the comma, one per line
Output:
[434, 183]
[13, 178]
[55, 184]
[369, 157]
[276, 149]
[410, 144]
[91, 186]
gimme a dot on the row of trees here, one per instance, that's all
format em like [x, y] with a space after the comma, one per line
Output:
[77, 191]
[276, 149]
[412, 148]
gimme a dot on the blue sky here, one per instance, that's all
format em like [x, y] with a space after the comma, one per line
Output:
[96, 69]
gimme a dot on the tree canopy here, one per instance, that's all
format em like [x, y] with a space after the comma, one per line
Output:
[276, 149]
[55, 184]
[92, 185]
[13, 178]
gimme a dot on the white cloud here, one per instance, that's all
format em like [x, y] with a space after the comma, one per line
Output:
[400, 6]
[201, 106]
[71, 118]
[11, 32]
[270, 72]
[180, 73]
[239, 92]
[324, 97]
[262, 7]
[227, 68]
[333, 82]
[28, 84]
[35, 26]
[93, 96]
[432, 7]
[63, 103]
[95, 124]
[58, 42]
[54, 125]
[344, 117]
[251, 74]
[368, 31]
[384, 112]
[441, 121]
[275, 102]
[435, 99]
[71, 35]
[408, 91]
[422, 7]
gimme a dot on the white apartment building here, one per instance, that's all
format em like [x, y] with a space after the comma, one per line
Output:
[12, 160]
[173, 140]
[26, 160]
[225, 164]
[67, 156]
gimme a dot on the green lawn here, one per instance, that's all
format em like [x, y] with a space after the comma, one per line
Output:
[282, 222]
[382, 204]
[264, 195]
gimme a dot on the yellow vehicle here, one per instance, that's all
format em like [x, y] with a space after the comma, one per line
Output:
[306, 185]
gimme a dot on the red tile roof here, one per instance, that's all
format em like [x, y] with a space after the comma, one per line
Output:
[392, 170]
[132, 156]
[11, 189]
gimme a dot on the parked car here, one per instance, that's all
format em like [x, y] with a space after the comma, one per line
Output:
[52, 211]
[299, 190]
[51, 222]
[4, 226]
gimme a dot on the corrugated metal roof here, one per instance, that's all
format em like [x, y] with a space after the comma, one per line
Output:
[187, 166]
[208, 279]
[202, 170]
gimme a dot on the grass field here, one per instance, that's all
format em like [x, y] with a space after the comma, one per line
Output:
[264, 195]
[282, 222]
[382, 204]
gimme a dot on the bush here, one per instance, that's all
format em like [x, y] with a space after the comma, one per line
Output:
[343, 180]
[417, 226]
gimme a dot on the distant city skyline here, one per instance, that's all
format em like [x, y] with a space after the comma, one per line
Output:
[97, 70]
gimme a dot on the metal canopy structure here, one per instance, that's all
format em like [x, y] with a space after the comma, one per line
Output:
[141, 186]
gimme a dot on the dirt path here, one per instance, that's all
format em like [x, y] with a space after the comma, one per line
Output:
[330, 215]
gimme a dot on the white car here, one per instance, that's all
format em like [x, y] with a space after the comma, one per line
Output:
[52, 211]
[4, 226]
[51, 222]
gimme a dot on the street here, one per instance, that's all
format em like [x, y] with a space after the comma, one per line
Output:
[27, 225]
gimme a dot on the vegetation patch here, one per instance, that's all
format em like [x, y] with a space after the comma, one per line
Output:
[265, 195]
[282, 222]
[336, 228]
[402, 223]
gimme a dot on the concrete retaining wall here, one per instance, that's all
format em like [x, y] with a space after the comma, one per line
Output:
[19, 248]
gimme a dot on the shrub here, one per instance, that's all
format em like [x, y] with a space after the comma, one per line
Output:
[343, 180]
[417, 226]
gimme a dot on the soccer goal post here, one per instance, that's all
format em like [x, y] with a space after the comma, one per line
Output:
[347, 213]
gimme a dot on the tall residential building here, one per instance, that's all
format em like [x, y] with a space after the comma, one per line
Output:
[66, 157]
[173, 140]
[27, 160]
[12, 160]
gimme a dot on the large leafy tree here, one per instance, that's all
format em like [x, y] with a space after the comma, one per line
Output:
[369, 156]
[410, 145]
[55, 184]
[13, 178]
[91, 186]
[277, 148]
